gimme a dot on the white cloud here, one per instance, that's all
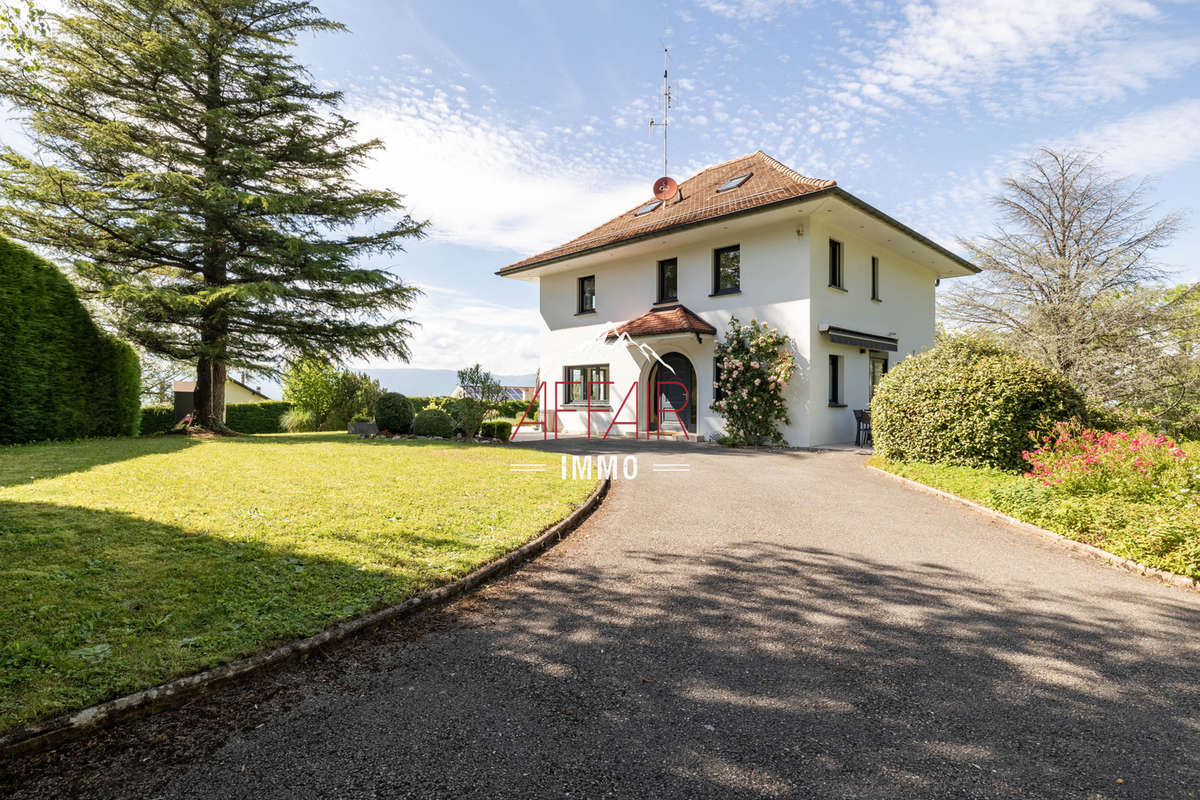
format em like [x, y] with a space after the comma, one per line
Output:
[1149, 142]
[458, 328]
[1061, 51]
[485, 182]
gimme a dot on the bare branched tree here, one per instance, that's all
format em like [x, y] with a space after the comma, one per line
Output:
[1070, 277]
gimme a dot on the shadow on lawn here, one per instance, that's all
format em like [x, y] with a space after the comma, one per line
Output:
[25, 463]
[95, 604]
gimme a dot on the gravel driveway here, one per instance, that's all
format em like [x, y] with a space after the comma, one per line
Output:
[757, 625]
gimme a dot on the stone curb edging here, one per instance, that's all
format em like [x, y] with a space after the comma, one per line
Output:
[1169, 578]
[49, 734]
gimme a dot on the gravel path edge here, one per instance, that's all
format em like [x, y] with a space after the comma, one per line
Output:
[51, 733]
[1091, 551]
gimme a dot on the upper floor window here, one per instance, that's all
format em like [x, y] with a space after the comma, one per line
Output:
[835, 264]
[874, 278]
[727, 270]
[668, 280]
[587, 294]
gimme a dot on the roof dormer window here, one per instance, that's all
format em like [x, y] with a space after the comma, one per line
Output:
[734, 183]
[646, 209]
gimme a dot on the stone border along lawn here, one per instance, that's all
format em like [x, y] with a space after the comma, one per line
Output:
[127, 562]
[1151, 535]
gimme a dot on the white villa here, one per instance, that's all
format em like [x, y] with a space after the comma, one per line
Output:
[749, 238]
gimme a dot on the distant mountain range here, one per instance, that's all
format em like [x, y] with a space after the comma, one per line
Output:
[427, 382]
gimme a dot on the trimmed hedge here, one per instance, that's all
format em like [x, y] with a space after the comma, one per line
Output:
[261, 417]
[157, 419]
[61, 377]
[969, 403]
[496, 429]
[433, 422]
[394, 412]
[505, 408]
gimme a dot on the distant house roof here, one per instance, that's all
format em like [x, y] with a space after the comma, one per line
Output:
[661, 321]
[507, 392]
[750, 183]
[190, 386]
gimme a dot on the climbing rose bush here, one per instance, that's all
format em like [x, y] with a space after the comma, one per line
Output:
[756, 362]
[1138, 465]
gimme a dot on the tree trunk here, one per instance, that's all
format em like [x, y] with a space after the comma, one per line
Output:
[202, 405]
[219, 373]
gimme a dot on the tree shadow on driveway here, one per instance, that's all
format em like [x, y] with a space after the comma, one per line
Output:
[755, 670]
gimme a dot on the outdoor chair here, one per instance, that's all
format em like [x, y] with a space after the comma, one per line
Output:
[862, 435]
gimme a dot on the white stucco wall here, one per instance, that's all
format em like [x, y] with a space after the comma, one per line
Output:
[783, 282]
[905, 310]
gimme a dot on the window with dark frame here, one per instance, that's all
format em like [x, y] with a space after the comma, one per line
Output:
[727, 270]
[668, 280]
[718, 392]
[579, 381]
[835, 389]
[835, 264]
[587, 294]
[874, 278]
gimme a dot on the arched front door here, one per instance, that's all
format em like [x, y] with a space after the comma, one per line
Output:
[664, 389]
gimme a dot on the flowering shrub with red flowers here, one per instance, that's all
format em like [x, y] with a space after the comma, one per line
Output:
[1137, 465]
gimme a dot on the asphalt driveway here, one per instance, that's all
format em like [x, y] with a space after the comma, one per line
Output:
[752, 625]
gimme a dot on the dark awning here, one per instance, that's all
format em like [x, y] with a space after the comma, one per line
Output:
[860, 339]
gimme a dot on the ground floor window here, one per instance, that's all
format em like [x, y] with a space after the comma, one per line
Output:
[718, 392]
[583, 380]
[835, 380]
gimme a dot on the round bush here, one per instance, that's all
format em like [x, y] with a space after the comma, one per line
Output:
[433, 422]
[393, 412]
[968, 402]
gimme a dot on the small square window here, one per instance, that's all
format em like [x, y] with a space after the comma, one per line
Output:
[646, 209]
[668, 280]
[835, 264]
[727, 270]
[587, 294]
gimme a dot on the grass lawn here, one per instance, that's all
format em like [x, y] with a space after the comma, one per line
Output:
[126, 562]
[1164, 533]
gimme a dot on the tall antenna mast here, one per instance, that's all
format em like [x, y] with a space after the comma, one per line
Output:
[666, 95]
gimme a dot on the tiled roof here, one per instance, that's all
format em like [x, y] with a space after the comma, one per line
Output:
[698, 200]
[659, 321]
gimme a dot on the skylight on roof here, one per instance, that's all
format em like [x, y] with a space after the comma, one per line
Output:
[734, 183]
[646, 209]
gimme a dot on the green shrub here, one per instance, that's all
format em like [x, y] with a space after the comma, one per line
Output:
[502, 430]
[261, 417]
[968, 402]
[298, 420]
[433, 422]
[515, 408]
[419, 404]
[156, 419]
[61, 377]
[394, 412]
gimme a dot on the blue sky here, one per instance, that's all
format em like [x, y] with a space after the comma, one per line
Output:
[515, 126]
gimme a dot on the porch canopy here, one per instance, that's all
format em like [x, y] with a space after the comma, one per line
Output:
[664, 321]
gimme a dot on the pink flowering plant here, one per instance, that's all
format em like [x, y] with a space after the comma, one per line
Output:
[755, 364]
[1137, 465]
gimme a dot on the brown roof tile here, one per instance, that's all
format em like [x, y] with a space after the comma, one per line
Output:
[659, 321]
[698, 200]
